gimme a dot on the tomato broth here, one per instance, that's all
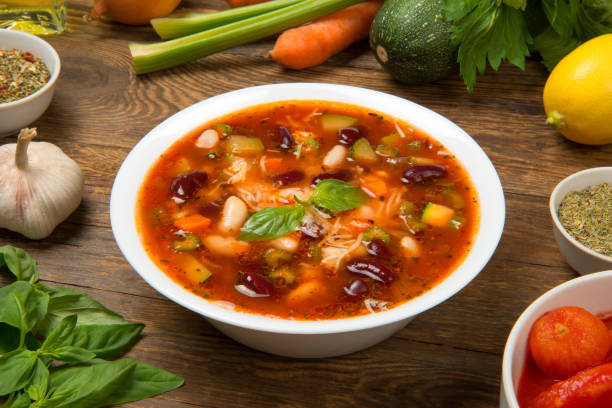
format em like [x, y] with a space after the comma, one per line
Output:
[348, 211]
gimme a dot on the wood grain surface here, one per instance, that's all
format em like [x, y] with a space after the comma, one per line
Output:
[449, 356]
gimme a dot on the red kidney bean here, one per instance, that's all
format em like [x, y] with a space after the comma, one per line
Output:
[212, 209]
[423, 172]
[341, 174]
[371, 268]
[257, 283]
[312, 229]
[289, 177]
[356, 287]
[349, 135]
[185, 185]
[378, 248]
[285, 138]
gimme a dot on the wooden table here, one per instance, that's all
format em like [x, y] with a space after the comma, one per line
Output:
[447, 357]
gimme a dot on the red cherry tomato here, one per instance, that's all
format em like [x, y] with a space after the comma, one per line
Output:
[567, 340]
[590, 388]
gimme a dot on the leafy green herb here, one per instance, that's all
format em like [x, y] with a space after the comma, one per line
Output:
[494, 30]
[273, 222]
[336, 195]
[77, 329]
[19, 263]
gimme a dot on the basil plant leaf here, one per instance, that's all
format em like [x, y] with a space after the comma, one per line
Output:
[17, 401]
[87, 386]
[22, 306]
[37, 388]
[106, 340]
[145, 381]
[16, 368]
[337, 195]
[9, 338]
[272, 222]
[70, 354]
[19, 262]
[66, 301]
[60, 335]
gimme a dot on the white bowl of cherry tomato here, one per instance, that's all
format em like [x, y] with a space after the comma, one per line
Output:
[307, 220]
[559, 352]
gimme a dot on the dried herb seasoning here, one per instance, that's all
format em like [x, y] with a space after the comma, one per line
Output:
[587, 217]
[21, 74]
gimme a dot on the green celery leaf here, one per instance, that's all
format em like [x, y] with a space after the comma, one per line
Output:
[17, 401]
[552, 47]
[70, 354]
[66, 301]
[456, 10]
[489, 31]
[146, 381]
[561, 17]
[337, 195]
[272, 222]
[594, 18]
[37, 389]
[22, 306]
[19, 262]
[87, 386]
[16, 368]
[106, 340]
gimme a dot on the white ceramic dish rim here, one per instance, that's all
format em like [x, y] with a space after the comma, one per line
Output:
[147, 151]
[53, 75]
[523, 320]
[554, 209]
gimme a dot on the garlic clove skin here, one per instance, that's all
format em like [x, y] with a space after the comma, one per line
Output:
[41, 186]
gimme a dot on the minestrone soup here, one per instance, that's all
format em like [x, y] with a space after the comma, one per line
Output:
[307, 210]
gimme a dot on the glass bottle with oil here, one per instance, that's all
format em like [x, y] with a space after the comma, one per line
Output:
[39, 17]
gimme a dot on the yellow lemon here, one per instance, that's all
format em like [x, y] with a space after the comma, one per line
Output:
[578, 93]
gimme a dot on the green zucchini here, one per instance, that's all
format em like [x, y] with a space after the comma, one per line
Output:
[363, 152]
[244, 145]
[411, 40]
[436, 214]
[332, 122]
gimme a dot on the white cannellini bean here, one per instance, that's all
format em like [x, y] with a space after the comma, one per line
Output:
[208, 139]
[410, 246]
[226, 246]
[288, 244]
[335, 156]
[234, 214]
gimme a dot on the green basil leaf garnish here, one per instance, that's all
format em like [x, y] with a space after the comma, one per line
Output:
[272, 222]
[106, 340]
[337, 195]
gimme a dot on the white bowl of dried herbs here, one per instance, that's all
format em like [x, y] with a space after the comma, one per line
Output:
[581, 210]
[29, 68]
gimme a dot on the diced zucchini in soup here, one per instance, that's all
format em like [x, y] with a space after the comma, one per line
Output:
[244, 145]
[332, 122]
[362, 151]
[436, 214]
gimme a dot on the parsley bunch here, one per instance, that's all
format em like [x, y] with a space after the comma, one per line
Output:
[496, 30]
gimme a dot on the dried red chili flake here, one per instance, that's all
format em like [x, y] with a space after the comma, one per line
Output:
[28, 56]
[3, 89]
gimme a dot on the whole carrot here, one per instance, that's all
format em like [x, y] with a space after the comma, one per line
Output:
[315, 42]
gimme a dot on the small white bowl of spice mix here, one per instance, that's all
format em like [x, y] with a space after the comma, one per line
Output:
[581, 210]
[29, 68]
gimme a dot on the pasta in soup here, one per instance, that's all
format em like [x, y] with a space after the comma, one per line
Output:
[307, 210]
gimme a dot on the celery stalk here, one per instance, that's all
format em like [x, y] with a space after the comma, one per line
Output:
[157, 56]
[181, 24]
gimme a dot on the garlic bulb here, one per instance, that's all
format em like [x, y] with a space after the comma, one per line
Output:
[40, 187]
